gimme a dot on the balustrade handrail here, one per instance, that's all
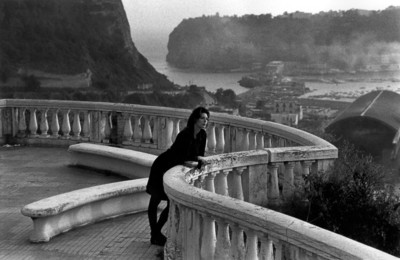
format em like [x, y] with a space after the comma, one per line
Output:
[265, 223]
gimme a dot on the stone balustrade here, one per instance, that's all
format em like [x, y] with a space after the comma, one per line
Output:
[210, 220]
[217, 212]
[142, 128]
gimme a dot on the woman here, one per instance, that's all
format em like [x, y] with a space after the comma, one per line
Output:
[189, 144]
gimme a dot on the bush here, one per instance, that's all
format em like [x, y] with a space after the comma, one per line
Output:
[351, 199]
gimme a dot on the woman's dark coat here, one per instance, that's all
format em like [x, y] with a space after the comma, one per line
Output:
[185, 148]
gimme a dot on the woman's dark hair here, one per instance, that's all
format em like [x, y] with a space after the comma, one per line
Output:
[196, 114]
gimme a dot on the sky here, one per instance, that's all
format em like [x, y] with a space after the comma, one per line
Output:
[151, 21]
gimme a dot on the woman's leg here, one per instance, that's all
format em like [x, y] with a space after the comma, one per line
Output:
[163, 217]
[152, 214]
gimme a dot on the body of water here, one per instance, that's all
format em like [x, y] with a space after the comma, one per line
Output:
[211, 81]
[345, 91]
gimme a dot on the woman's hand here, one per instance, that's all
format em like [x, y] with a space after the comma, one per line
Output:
[191, 164]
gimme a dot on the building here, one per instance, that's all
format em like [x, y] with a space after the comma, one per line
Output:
[372, 123]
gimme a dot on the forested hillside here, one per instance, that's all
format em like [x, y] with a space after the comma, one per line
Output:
[70, 37]
[346, 40]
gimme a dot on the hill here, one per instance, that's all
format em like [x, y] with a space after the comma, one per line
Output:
[71, 42]
[345, 40]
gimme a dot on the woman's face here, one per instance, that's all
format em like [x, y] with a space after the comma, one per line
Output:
[202, 122]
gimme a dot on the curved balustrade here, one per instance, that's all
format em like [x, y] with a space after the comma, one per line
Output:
[144, 128]
[207, 222]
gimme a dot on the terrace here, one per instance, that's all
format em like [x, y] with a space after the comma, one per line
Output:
[218, 211]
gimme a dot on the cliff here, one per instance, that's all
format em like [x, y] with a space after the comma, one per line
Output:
[72, 41]
[345, 40]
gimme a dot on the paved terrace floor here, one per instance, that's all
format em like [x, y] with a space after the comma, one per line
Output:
[28, 174]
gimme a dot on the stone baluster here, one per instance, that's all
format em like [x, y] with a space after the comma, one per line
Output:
[223, 245]
[192, 250]
[169, 127]
[22, 122]
[210, 182]
[268, 143]
[251, 245]
[173, 222]
[288, 183]
[274, 190]
[238, 142]
[245, 140]
[181, 239]
[147, 130]
[238, 249]
[209, 239]
[55, 124]
[221, 139]
[33, 125]
[86, 126]
[278, 249]
[237, 191]
[76, 126]
[212, 142]
[222, 182]
[44, 124]
[137, 132]
[305, 166]
[106, 121]
[267, 249]
[282, 142]
[252, 140]
[128, 132]
[260, 140]
[175, 128]
[1, 122]
[294, 252]
[66, 125]
[156, 127]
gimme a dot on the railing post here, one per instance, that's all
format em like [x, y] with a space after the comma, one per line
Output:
[245, 140]
[222, 182]
[147, 130]
[169, 127]
[223, 245]
[105, 127]
[237, 191]
[260, 140]
[86, 126]
[76, 125]
[210, 182]
[268, 143]
[238, 249]
[44, 125]
[266, 250]
[251, 245]
[252, 140]
[33, 126]
[211, 142]
[55, 124]
[209, 239]
[128, 132]
[22, 123]
[156, 129]
[221, 139]
[137, 132]
[274, 191]
[175, 128]
[66, 126]
[288, 183]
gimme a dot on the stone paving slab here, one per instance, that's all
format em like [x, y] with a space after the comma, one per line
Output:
[28, 174]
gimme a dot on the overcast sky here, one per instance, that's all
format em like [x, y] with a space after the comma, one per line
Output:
[157, 18]
[164, 15]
